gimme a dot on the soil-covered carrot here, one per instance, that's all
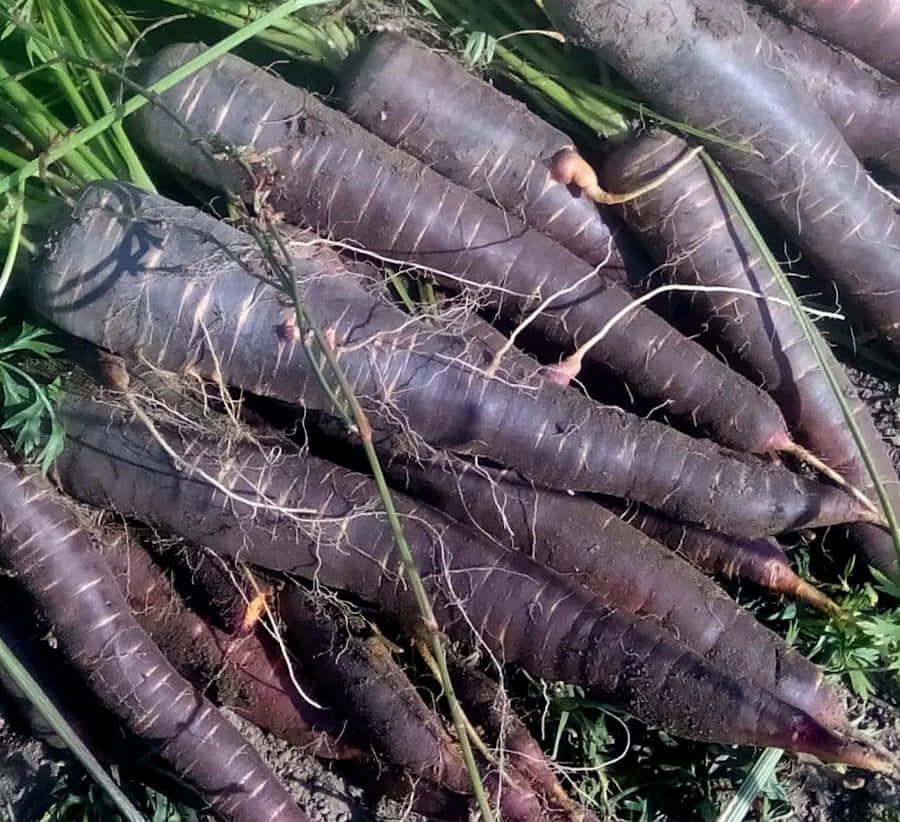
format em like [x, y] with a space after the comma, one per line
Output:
[248, 674]
[362, 679]
[864, 104]
[697, 237]
[150, 279]
[869, 29]
[429, 105]
[321, 169]
[215, 590]
[796, 163]
[299, 514]
[43, 544]
[589, 545]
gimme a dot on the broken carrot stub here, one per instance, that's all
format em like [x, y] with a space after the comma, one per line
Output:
[392, 205]
[199, 299]
[43, 545]
[328, 526]
[246, 673]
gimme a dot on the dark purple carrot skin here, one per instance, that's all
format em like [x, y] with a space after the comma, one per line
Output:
[870, 29]
[801, 169]
[864, 104]
[712, 552]
[363, 681]
[73, 699]
[342, 181]
[589, 545]
[55, 560]
[563, 633]
[427, 104]
[247, 674]
[167, 288]
[697, 238]
[761, 561]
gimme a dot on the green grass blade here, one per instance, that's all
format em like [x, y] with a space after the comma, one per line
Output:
[15, 239]
[547, 66]
[110, 168]
[75, 141]
[28, 113]
[818, 345]
[326, 44]
[26, 683]
[760, 776]
[124, 149]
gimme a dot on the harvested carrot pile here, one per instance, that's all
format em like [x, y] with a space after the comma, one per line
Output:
[403, 378]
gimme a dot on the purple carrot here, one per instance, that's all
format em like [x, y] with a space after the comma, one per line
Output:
[795, 164]
[328, 525]
[869, 29]
[690, 227]
[44, 546]
[156, 281]
[589, 545]
[247, 674]
[429, 105]
[326, 172]
[864, 104]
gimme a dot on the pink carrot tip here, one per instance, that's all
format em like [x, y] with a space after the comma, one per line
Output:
[563, 372]
[808, 736]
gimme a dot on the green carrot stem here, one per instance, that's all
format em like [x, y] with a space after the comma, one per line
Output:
[136, 171]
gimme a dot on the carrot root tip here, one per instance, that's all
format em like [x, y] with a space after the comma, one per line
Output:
[563, 372]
